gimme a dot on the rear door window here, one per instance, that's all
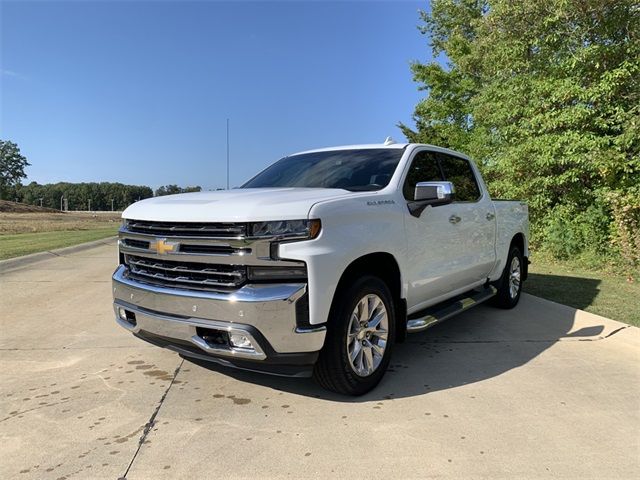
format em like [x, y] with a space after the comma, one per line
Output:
[459, 172]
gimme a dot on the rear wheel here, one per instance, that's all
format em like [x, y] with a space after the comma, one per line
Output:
[510, 285]
[359, 339]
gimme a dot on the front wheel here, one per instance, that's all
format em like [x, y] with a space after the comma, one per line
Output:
[360, 336]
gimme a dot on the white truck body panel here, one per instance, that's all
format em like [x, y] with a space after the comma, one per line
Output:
[238, 205]
[512, 218]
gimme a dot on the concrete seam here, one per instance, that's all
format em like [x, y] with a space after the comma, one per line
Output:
[616, 331]
[152, 420]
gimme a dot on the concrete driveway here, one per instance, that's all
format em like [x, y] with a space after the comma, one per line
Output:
[542, 391]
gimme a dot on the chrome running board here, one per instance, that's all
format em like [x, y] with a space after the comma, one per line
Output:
[431, 316]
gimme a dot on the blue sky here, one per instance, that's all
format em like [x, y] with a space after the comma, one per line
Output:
[139, 91]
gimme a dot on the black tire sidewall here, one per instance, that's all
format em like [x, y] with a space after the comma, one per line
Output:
[507, 300]
[337, 334]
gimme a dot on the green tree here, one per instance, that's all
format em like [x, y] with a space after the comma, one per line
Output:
[101, 195]
[173, 189]
[545, 96]
[12, 165]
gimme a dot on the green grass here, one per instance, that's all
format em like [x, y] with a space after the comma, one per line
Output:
[26, 243]
[602, 292]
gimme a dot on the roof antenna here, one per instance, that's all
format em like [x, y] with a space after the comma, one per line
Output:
[389, 141]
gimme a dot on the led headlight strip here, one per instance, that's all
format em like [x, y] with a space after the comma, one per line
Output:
[301, 229]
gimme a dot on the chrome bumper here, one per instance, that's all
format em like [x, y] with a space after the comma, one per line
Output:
[266, 314]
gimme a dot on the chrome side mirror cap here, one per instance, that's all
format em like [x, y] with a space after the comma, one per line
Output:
[430, 194]
[439, 193]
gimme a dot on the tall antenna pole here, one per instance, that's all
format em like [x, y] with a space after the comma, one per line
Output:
[227, 154]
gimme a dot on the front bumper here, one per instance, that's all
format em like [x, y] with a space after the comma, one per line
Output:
[265, 314]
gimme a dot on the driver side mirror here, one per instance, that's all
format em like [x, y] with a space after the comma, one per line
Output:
[430, 193]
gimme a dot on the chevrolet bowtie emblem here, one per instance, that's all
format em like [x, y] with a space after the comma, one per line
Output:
[162, 247]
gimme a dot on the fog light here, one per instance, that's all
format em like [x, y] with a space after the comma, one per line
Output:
[239, 340]
[127, 316]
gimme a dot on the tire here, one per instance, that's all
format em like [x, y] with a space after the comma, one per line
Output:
[356, 354]
[510, 284]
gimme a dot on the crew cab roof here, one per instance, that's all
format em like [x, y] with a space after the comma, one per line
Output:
[393, 146]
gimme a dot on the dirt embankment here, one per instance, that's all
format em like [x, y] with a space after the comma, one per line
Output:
[22, 218]
[13, 207]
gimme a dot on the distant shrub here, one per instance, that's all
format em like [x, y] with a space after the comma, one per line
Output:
[570, 232]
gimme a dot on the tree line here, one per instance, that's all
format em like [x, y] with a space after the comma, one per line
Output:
[87, 196]
[70, 196]
[545, 97]
[79, 196]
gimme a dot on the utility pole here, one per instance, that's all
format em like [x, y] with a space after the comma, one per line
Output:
[89, 204]
[61, 199]
[227, 154]
[112, 204]
[41, 201]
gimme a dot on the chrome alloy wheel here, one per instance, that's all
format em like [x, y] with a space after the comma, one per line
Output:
[514, 277]
[367, 335]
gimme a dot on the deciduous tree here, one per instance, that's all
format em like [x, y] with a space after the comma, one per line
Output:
[12, 165]
[545, 96]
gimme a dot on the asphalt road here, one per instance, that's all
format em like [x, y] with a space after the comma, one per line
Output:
[542, 391]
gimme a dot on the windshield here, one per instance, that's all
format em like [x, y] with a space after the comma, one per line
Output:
[355, 170]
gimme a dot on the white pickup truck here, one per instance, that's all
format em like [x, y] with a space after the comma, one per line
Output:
[320, 263]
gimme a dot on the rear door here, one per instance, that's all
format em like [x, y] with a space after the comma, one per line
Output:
[473, 219]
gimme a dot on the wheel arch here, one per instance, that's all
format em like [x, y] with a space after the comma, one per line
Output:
[384, 266]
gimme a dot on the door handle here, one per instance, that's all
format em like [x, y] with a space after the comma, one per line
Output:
[490, 216]
[454, 219]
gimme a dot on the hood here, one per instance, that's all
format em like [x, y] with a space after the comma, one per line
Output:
[238, 205]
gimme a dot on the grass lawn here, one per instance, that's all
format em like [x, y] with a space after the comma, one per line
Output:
[24, 243]
[600, 292]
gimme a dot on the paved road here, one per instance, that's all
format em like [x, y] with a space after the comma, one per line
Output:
[543, 391]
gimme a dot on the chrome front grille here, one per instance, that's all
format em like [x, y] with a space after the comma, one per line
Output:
[193, 256]
[195, 229]
[198, 248]
[189, 275]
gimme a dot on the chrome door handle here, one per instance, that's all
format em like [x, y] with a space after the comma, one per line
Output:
[490, 216]
[454, 219]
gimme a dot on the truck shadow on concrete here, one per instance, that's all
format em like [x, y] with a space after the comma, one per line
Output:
[478, 345]
[576, 292]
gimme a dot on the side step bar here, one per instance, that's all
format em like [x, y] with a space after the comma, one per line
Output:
[424, 319]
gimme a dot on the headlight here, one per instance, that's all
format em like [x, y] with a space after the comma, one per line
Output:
[303, 229]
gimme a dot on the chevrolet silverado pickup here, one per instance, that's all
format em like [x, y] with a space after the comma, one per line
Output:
[321, 263]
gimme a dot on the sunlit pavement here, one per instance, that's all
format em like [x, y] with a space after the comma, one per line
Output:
[540, 391]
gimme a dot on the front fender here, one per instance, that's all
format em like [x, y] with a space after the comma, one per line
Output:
[351, 228]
